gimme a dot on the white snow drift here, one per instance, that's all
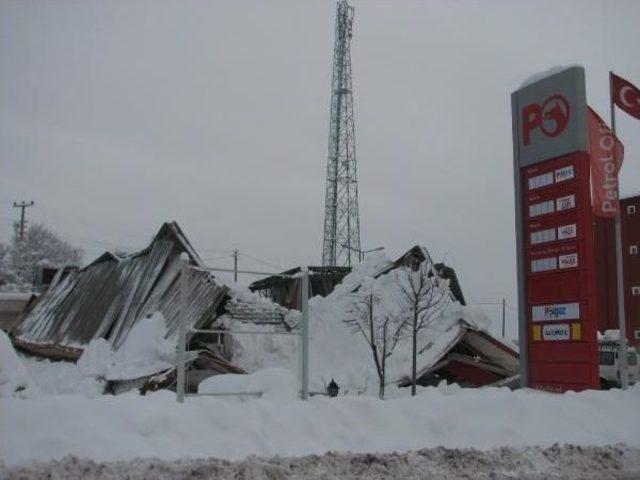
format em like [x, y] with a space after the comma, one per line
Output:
[130, 426]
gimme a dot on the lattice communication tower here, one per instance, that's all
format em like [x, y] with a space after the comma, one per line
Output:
[341, 246]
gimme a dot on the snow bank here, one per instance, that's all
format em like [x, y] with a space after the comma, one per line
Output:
[275, 383]
[130, 426]
[14, 378]
[144, 352]
[62, 378]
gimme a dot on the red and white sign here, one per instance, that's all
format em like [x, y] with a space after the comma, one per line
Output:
[606, 160]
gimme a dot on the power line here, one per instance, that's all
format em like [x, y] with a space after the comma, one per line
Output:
[213, 259]
[279, 267]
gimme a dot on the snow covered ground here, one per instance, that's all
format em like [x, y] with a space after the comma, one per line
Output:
[58, 411]
[128, 426]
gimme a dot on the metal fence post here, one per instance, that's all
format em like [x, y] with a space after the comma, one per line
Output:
[304, 307]
[182, 328]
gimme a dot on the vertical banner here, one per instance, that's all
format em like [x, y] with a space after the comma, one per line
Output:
[607, 153]
[554, 232]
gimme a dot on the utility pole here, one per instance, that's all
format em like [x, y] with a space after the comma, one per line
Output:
[235, 265]
[22, 206]
[504, 304]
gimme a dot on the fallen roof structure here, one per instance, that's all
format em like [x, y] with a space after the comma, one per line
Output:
[467, 355]
[108, 297]
[285, 290]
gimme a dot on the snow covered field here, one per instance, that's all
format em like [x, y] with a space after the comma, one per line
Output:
[128, 426]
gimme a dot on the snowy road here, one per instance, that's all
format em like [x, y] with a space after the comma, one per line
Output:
[557, 462]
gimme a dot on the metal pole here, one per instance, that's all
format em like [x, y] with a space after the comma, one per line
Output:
[235, 266]
[622, 323]
[503, 316]
[182, 329]
[304, 308]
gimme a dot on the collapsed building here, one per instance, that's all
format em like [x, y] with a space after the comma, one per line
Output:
[110, 296]
[284, 289]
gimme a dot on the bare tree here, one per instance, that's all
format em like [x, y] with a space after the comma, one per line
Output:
[380, 328]
[425, 294]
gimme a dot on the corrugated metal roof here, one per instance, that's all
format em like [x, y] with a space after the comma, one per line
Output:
[109, 296]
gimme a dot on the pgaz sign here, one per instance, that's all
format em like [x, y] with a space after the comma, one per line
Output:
[554, 230]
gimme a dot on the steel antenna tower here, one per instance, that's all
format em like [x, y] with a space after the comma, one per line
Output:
[341, 246]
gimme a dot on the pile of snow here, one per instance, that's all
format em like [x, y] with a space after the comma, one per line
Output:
[62, 378]
[336, 350]
[14, 378]
[272, 383]
[129, 426]
[145, 351]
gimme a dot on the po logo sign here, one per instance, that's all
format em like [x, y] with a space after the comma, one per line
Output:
[551, 118]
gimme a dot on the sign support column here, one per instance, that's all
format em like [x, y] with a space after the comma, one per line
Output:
[622, 321]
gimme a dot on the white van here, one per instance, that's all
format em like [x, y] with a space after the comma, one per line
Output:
[609, 365]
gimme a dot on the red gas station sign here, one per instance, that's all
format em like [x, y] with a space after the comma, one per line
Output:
[556, 265]
[560, 274]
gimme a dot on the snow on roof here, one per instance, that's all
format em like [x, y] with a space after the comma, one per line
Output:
[536, 77]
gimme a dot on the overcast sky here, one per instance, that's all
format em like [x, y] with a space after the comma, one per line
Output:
[118, 115]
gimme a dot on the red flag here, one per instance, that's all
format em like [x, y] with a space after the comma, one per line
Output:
[625, 95]
[607, 153]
